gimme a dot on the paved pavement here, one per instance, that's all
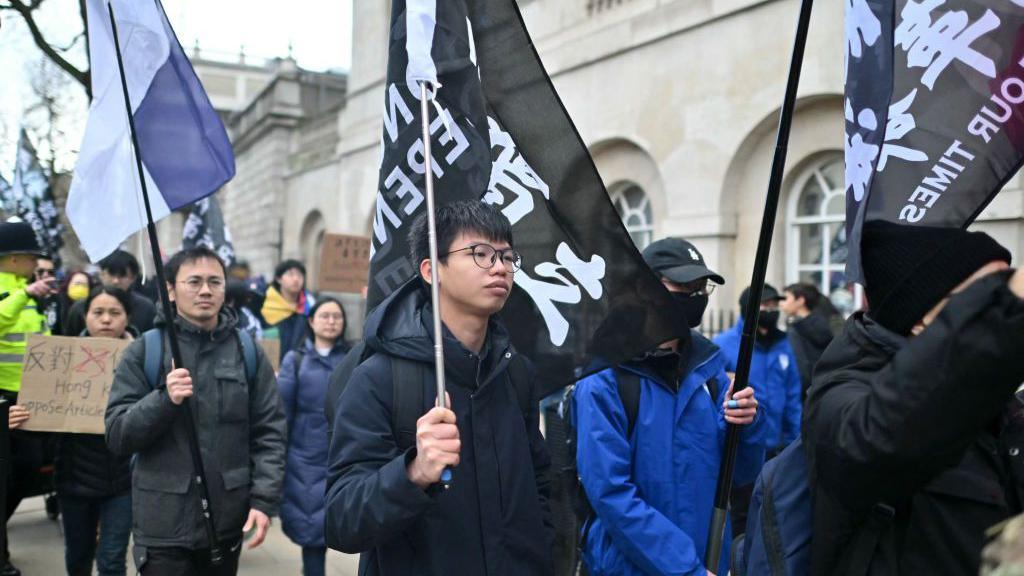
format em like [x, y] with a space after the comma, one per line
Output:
[37, 548]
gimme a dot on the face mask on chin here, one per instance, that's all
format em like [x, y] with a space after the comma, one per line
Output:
[691, 307]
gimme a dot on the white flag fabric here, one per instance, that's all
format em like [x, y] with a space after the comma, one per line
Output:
[184, 147]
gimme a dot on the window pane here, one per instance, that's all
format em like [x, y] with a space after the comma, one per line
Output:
[837, 245]
[811, 278]
[810, 243]
[836, 205]
[810, 199]
[634, 197]
[836, 279]
[835, 175]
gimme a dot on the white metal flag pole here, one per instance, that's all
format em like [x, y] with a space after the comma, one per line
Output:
[428, 175]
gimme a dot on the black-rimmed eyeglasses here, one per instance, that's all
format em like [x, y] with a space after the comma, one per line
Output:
[485, 255]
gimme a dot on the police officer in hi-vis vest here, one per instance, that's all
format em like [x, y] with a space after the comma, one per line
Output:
[20, 316]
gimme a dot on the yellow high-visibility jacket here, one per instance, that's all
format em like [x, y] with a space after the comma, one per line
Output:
[18, 318]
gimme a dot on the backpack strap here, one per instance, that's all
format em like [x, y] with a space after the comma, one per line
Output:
[153, 345]
[248, 355]
[629, 393]
[407, 381]
[866, 542]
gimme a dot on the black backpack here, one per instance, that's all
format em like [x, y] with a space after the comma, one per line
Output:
[629, 392]
[409, 400]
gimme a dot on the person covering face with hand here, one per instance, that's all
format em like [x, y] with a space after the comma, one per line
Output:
[651, 483]
[906, 421]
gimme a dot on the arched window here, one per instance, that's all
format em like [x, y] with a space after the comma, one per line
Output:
[817, 232]
[634, 208]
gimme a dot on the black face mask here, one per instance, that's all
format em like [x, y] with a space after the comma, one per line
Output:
[691, 307]
[768, 319]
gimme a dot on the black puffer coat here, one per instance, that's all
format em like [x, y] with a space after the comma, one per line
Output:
[916, 424]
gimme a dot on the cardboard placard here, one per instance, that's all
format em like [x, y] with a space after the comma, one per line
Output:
[344, 263]
[272, 348]
[66, 381]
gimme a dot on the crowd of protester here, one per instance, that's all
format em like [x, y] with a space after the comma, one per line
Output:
[910, 416]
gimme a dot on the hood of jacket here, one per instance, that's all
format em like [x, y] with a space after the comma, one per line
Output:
[814, 328]
[863, 347]
[402, 326]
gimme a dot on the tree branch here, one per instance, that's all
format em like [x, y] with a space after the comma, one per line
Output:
[26, 12]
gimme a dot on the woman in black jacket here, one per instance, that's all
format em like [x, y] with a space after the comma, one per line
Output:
[94, 485]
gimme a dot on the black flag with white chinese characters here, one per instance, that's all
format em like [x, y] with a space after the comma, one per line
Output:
[30, 198]
[500, 134]
[205, 227]
[934, 110]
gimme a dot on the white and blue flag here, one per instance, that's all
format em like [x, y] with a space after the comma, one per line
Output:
[186, 154]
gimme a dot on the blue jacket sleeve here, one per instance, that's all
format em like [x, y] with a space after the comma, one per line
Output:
[794, 402]
[604, 460]
[750, 456]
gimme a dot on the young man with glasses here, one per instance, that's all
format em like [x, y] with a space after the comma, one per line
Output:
[384, 499]
[240, 427]
[651, 481]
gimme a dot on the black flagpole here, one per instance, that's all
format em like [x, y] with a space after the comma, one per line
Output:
[764, 243]
[216, 555]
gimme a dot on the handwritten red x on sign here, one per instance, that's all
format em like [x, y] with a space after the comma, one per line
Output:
[97, 360]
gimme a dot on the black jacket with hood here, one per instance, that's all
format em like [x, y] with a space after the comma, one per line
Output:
[915, 424]
[494, 520]
[809, 337]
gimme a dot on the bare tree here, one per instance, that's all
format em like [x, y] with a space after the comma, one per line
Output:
[51, 113]
[27, 9]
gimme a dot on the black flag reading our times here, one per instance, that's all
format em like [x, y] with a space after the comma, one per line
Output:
[500, 134]
[934, 110]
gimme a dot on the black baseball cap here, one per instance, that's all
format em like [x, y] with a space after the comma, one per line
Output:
[679, 261]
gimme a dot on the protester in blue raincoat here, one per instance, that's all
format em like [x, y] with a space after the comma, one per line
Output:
[303, 385]
[652, 487]
[773, 370]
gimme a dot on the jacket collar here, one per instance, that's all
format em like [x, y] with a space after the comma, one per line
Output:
[402, 325]
[699, 351]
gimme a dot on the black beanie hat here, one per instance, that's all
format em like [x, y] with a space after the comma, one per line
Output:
[910, 269]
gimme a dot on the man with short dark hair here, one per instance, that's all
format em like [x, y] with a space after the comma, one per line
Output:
[906, 421]
[809, 332]
[119, 269]
[240, 426]
[49, 306]
[384, 499]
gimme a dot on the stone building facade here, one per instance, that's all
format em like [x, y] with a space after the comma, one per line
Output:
[678, 101]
